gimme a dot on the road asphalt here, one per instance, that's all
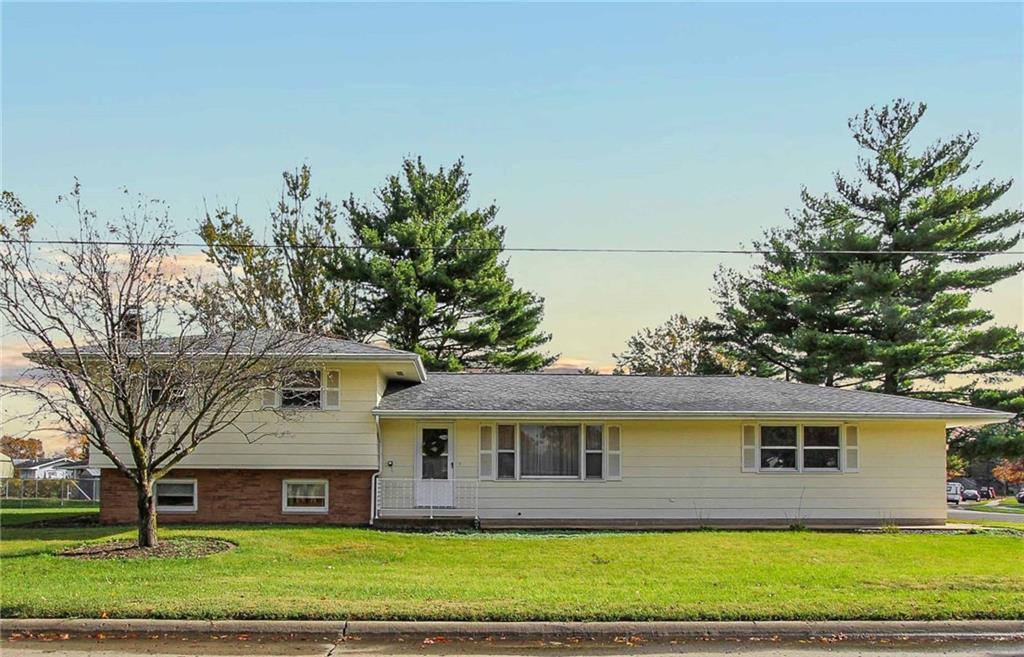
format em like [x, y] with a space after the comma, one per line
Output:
[232, 646]
[955, 513]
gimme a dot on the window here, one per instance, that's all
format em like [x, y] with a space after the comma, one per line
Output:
[594, 451]
[549, 450]
[821, 448]
[175, 495]
[506, 451]
[304, 496]
[796, 448]
[778, 448]
[301, 390]
[165, 391]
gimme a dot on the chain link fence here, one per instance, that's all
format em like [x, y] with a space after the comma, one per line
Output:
[56, 491]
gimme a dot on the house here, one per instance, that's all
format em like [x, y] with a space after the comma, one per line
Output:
[6, 467]
[375, 439]
[54, 467]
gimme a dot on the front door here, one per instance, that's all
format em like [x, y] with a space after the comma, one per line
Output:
[435, 485]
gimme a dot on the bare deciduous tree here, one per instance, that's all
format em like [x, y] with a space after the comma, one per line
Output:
[117, 358]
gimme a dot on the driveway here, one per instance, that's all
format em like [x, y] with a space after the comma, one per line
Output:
[231, 647]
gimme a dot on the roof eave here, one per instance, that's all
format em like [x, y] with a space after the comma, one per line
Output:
[951, 419]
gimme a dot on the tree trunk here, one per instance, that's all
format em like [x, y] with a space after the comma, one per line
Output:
[890, 384]
[147, 516]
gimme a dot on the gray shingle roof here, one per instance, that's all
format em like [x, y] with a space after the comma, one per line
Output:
[535, 394]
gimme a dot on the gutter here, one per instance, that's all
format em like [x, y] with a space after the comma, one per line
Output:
[960, 419]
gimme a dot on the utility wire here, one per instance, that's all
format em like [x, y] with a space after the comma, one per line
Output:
[510, 249]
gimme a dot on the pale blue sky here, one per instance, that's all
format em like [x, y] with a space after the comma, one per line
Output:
[689, 126]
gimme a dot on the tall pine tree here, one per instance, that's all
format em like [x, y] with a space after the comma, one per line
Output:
[428, 269]
[872, 285]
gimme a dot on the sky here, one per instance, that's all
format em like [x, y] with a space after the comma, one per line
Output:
[648, 126]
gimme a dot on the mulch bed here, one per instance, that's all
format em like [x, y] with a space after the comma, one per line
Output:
[167, 548]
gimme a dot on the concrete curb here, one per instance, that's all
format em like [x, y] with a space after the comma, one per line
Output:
[657, 630]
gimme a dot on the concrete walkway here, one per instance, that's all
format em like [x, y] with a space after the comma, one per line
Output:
[176, 647]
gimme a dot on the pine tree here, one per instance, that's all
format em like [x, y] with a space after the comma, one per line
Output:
[428, 271]
[891, 311]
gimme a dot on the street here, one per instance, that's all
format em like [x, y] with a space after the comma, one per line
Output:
[230, 646]
[956, 513]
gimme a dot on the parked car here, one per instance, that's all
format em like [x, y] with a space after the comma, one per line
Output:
[1020, 496]
[953, 492]
[985, 492]
[971, 495]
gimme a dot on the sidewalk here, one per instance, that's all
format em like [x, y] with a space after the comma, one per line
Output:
[661, 630]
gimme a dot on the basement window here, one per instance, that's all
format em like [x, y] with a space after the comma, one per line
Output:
[175, 495]
[304, 496]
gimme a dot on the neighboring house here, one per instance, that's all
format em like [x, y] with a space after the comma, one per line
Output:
[6, 467]
[58, 467]
[374, 438]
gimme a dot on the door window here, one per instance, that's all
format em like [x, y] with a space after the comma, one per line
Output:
[434, 454]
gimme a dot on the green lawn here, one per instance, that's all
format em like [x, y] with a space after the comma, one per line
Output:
[286, 572]
[22, 512]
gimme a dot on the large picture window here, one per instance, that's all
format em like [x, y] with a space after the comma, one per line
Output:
[535, 450]
[549, 450]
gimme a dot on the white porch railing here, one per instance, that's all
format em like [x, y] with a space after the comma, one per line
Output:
[427, 498]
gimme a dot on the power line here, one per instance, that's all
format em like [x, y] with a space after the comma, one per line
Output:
[510, 249]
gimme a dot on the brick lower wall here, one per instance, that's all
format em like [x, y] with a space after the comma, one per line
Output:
[244, 496]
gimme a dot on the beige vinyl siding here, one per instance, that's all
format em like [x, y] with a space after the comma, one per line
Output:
[691, 470]
[322, 439]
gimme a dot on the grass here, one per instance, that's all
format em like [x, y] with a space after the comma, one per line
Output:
[335, 573]
[15, 512]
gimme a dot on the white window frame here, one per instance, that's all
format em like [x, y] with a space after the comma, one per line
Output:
[321, 373]
[603, 451]
[176, 509]
[800, 448]
[581, 445]
[838, 448]
[305, 509]
[498, 451]
[325, 373]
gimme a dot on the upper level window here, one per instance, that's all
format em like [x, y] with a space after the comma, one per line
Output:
[301, 390]
[162, 389]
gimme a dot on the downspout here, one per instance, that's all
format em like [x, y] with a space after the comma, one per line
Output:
[376, 475]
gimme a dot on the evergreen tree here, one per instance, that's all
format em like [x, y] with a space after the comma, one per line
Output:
[889, 308]
[429, 273]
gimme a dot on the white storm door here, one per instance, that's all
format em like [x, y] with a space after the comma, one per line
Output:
[435, 467]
